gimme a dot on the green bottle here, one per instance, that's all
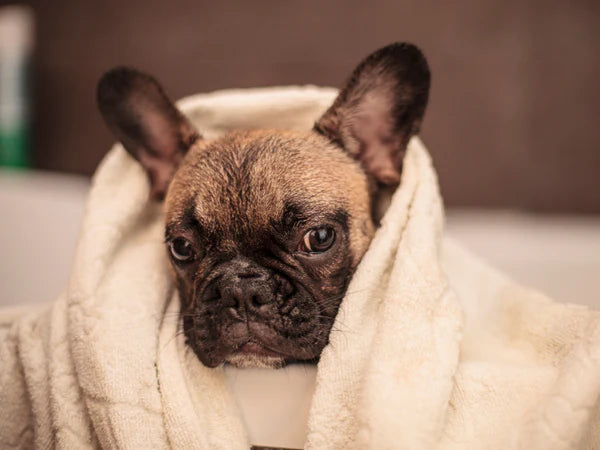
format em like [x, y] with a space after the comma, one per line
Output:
[16, 43]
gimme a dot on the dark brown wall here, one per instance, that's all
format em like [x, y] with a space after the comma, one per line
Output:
[515, 106]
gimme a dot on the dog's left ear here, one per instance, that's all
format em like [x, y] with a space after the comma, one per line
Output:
[379, 110]
[146, 122]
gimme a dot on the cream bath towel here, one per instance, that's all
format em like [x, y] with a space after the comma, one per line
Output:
[431, 348]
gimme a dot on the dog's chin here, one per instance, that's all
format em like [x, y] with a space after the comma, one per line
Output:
[252, 354]
[247, 361]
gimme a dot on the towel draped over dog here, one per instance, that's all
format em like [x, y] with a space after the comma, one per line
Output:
[431, 348]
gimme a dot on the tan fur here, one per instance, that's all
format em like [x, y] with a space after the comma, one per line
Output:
[286, 163]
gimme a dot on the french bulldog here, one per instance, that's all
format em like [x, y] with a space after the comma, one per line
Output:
[264, 228]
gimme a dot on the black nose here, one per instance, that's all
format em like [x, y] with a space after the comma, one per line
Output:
[246, 293]
[244, 288]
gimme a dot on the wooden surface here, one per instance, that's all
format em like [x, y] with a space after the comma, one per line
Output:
[514, 116]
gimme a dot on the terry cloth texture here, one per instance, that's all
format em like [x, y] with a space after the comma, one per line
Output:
[431, 348]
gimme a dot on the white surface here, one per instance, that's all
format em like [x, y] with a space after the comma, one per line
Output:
[41, 214]
[274, 403]
[559, 255]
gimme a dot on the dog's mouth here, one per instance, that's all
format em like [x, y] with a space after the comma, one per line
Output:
[251, 344]
[257, 340]
[255, 355]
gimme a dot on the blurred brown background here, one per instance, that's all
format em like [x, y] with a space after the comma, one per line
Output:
[514, 112]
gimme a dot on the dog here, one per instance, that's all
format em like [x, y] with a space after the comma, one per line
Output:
[264, 228]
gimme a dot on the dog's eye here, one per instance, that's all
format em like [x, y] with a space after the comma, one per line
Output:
[181, 249]
[317, 240]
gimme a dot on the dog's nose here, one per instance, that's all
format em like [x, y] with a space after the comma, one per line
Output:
[244, 287]
[246, 292]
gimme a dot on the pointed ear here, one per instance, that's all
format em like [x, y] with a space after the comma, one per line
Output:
[146, 122]
[379, 110]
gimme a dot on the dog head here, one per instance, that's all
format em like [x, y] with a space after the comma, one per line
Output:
[264, 228]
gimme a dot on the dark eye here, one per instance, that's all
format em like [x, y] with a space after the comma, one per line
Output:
[181, 249]
[317, 240]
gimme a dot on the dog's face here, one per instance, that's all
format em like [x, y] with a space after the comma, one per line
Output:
[264, 228]
[263, 243]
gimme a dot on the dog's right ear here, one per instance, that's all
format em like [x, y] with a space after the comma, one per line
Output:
[146, 122]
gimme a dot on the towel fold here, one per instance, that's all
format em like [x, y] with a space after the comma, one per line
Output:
[430, 349]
